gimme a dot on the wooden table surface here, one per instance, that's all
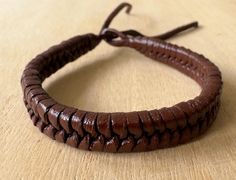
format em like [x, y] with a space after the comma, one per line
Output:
[114, 79]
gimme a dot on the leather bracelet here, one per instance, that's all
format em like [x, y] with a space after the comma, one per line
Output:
[123, 132]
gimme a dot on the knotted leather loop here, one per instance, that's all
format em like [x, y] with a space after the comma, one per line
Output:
[119, 131]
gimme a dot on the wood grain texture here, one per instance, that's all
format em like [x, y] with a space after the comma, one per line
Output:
[109, 75]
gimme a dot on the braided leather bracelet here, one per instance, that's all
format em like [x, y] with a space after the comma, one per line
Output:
[123, 132]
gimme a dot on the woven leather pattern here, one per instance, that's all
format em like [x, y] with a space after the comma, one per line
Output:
[122, 132]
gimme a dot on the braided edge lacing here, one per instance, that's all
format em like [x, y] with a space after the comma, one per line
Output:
[134, 131]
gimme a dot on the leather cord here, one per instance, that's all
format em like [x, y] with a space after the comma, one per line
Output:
[119, 131]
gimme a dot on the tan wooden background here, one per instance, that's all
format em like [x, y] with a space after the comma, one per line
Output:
[112, 79]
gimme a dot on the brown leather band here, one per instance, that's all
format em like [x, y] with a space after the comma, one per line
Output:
[122, 132]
